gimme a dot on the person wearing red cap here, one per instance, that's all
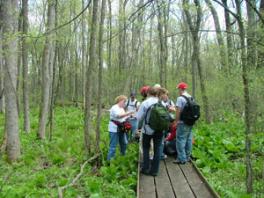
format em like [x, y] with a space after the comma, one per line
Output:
[184, 132]
[144, 92]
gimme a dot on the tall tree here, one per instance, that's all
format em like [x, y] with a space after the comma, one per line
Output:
[251, 33]
[162, 45]
[1, 69]
[229, 42]
[245, 71]
[196, 61]
[220, 39]
[46, 73]
[101, 61]
[89, 75]
[25, 66]
[10, 14]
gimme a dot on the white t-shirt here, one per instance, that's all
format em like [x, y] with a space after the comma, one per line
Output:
[115, 112]
[181, 102]
[132, 105]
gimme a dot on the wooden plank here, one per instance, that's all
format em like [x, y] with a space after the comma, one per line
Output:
[163, 184]
[146, 187]
[205, 181]
[198, 186]
[178, 181]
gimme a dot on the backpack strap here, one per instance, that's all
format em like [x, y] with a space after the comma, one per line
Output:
[186, 98]
[147, 112]
[127, 104]
[136, 104]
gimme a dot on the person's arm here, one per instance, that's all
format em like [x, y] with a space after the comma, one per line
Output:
[124, 114]
[179, 105]
[178, 114]
[115, 112]
[141, 112]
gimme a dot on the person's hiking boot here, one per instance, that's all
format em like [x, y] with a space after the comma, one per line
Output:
[144, 172]
[153, 174]
[178, 162]
[163, 157]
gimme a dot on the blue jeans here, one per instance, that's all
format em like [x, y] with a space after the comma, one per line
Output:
[114, 139]
[184, 142]
[134, 124]
[157, 139]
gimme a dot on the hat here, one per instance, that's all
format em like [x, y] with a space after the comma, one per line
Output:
[157, 86]
[133, 93]
[182, 85]
[144, 90]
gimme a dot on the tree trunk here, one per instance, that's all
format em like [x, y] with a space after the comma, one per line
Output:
[251, 34]
[25, 67]
[220, 40]
[196, 61]
[10, 14]
[229, 42]
[19, 59]
[245, 71]
[46, 78]
[83, 53]
[161, 45]
[122, 36]
[2, 107]
[101, 61]
[89, 75]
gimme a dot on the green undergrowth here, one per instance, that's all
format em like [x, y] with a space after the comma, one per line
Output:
[220, 153]
[46, 165]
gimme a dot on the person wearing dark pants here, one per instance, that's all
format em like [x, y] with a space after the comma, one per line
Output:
[157, 142]
[149, 134]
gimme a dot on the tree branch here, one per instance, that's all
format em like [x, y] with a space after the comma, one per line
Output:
[75, 179]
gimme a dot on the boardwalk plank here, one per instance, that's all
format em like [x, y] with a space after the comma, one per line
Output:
[178, 181]
[198, 186]
[146, 187]
[163, 184]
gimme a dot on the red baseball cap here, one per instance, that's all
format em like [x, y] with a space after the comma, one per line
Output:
[182, 85]
[144, 90]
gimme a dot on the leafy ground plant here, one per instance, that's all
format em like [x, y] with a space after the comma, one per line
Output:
[46, 165]
[220, 154]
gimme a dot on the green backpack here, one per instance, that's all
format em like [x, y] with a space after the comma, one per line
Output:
[158, 118]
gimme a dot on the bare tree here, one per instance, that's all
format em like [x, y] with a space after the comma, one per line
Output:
[89, 74]
[220, 39]
[101, 62]
[10, 14]
[229, 42]
[1, 70]
[46, 73]
[25, 66]
[196, 61]
[245, 71]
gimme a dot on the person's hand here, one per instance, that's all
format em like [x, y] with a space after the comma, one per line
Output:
[172, 109]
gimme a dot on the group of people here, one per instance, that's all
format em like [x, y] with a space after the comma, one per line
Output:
[132, 115]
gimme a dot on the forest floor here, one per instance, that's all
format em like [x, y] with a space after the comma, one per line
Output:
[47, 165]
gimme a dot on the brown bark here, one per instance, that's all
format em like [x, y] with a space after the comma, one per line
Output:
[46, 73]
[229, 42]
[25, 66]
[220, 39]
[245, 71]
[89, 75]
[1, 73]
[251, 34]
[196, 61]
[100, 76]
[10, 13]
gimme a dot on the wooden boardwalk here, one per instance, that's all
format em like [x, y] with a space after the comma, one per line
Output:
[181, 181]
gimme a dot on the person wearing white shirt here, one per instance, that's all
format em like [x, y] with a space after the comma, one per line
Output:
[117, 114]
